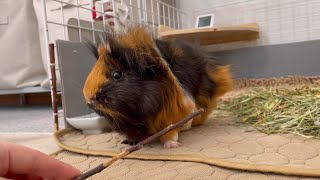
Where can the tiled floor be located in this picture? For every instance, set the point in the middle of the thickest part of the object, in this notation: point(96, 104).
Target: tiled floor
point(26, 119)
point(31, 126)
point(40, 141)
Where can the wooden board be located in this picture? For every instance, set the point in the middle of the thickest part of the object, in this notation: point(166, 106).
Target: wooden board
point(212, 35)
point(43, 98)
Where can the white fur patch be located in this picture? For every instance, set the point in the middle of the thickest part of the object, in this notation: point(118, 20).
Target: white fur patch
point(173, 142)
point(108, 48)
point(188, 99)
point(175, 137)
point(187, 125)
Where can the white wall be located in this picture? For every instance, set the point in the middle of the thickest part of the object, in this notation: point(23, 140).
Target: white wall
point(280, 21)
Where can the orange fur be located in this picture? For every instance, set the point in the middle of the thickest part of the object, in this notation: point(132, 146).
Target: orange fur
point(222, 77)
point(170, 136)
point(96, 77)
point(102, 49)
point(139, 40)
point(174, 110)
point(135, 38)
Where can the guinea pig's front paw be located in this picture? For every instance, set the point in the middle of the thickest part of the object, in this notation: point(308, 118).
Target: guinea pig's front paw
point(171, 144)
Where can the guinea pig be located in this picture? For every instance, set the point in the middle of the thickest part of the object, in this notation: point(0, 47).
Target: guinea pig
point(142, 84)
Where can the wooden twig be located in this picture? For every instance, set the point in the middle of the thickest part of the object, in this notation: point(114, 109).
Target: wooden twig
point(137, 146)
point(53, 87)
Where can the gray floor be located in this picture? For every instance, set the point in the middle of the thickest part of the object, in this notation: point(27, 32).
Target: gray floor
point(27, 119)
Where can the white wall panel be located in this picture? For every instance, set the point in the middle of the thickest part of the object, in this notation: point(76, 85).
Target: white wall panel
point(280, 21)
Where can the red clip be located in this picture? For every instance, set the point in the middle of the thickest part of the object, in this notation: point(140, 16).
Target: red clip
point(94, 13)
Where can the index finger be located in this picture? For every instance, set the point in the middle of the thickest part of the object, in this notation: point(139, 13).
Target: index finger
point(21, 160)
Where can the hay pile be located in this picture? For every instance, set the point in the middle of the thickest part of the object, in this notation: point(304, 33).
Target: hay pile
point(279, 110)
point(276, 82)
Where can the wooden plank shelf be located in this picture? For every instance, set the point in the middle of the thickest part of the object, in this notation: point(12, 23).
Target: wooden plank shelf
point(212, 35)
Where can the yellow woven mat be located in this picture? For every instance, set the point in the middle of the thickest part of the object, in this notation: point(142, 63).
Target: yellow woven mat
point(218, 143)
point(133, 169)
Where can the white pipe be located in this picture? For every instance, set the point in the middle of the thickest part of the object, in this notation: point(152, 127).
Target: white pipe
point(163, 15)
point(67, 25)
point(174, 18)
point(152, 12)
point(78, 14)
point(103, 18)
point(169, 16)
point(76, 6)
point(46, 42)
point(114, 14)
point(158, 8)
point(92, 25)
point(62, 17)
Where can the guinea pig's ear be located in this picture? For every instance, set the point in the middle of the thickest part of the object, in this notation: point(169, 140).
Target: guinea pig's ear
point(92, 47)
point(103, 43)
point(104, 48)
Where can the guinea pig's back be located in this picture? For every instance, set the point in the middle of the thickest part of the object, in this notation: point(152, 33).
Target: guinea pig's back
point(195, 69)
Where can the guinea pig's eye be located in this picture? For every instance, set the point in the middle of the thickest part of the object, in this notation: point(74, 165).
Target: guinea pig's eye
point(117, 75)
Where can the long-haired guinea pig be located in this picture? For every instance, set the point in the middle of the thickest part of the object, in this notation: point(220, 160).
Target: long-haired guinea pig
point(142, 84)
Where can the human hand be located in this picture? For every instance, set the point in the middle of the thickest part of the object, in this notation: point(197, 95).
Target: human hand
point(19, 162)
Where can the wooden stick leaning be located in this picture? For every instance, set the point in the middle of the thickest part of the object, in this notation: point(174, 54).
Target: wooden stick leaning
point(53, 87)
point(137, 146)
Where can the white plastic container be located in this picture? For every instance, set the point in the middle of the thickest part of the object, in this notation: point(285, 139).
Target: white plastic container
point(89, 124)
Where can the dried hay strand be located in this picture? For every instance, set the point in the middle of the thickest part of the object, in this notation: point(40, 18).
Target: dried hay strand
point(271, 110)
point(276, 82)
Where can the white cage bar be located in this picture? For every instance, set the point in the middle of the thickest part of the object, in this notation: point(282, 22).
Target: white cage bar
point(139, 12)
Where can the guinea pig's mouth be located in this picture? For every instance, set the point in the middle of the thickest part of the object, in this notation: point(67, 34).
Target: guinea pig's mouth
point(95, 108)
point(105, 111)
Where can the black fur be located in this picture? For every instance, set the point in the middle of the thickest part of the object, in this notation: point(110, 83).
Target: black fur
point(128, 98)
point(190, 68)
point(93, 48)
point(128, 58)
